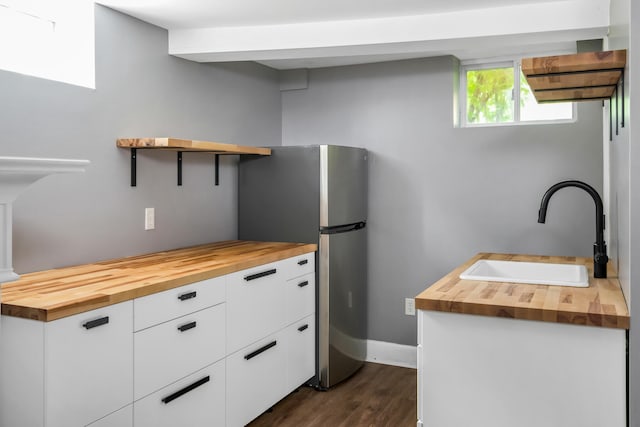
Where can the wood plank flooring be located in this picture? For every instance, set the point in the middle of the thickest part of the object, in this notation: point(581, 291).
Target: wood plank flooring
point(377, 395)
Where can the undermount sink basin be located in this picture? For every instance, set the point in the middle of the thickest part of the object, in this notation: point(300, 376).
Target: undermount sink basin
point(535, 273)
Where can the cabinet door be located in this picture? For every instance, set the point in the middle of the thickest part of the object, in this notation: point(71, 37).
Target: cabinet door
point(175, 349)
point(195, 401)
point(301, 351)
point(301, 297)
point(256, 379)
point(121, 418)
point(255, 304)
point(88, 365)
point(174, 303)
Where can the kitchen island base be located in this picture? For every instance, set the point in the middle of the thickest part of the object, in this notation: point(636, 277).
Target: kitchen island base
point(487, 371)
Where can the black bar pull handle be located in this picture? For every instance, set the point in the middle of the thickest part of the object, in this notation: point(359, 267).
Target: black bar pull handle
point(95, 323)
point(186, 390)
point(303, 262)
point(303, 284)
point(259, 275)
point(186, 296)
point(303, 327)
point(187, 326)
point(260, 350)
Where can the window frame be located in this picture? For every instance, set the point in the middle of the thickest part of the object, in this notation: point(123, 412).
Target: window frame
point(509, 62)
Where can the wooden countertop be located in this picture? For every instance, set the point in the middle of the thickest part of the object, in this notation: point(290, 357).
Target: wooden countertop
point(600, 304)
point(53, 294)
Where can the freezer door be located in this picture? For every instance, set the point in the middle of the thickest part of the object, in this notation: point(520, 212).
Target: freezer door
point(343, 185)
point(342, 294)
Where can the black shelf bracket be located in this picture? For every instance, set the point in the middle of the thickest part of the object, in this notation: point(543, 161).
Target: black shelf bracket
point(133, 166)
point(134, 156)
point(616, 100)
point(179, 168)
point(217, 162)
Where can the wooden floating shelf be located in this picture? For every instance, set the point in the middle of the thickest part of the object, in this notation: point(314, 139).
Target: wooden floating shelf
point(175, 144)
point(578, 77)
point(182, 145)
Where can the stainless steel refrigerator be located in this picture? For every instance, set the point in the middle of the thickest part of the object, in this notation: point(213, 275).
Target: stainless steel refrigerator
point(317, 194)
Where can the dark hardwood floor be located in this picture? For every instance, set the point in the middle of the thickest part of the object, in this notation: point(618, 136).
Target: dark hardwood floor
point(377, 395)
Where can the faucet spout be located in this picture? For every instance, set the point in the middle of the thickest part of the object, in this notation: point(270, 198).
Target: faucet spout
point(600, 257)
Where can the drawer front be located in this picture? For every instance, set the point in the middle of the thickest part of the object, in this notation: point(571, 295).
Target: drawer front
point(255, 305)
point(121, 418)
point(195, 401)
point(301, 352)
point(300, 265)
point(88, 365)
point(255, 379)
point(175, 349)
point(163, 306)
point(301, 297)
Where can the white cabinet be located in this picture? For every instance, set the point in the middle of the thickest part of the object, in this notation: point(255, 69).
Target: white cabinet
point(256, 379)
point(270, 335)
point(494, 372)
point(195, 401)
point(255, 304)
point(212, 353)
point(177, 348)
point(301, 362)
point(82, 365)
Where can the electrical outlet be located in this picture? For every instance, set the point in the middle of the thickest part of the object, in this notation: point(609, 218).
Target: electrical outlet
point(409, 307)
point(149, 218)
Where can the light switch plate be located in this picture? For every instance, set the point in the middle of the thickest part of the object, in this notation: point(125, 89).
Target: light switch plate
point(149, 218)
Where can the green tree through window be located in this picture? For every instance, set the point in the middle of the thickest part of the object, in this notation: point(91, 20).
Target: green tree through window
point(490, 95)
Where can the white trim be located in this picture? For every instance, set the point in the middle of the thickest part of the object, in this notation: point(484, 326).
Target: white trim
point(389, 353)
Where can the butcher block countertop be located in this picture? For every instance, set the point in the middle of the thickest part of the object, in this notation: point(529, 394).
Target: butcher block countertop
point(600, 304)
point(53, 294)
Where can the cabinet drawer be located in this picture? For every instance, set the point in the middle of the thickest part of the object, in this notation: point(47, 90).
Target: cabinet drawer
point(121, 418)
point(299, 265)
point(175, 349)
point(301, 297)
point(171, 304)
point(255, 305)
point(255, 379)
point(195, 401)
point(88, 365)
point(301, 351)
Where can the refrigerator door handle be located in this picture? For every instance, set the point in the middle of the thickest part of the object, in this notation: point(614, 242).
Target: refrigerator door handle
point(335, 229)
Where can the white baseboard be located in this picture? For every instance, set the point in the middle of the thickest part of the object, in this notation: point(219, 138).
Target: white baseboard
point(389, 353)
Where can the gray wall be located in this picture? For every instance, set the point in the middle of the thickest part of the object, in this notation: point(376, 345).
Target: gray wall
point(440, 194)
point(141, 91)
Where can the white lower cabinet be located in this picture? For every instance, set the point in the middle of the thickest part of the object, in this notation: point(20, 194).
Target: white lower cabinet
point(256, 379)
point(195, 401)
point(301, 355)
point(212, 353)
point(67, 372)
point(121, 418)
point(174, 349)
point(486, 371)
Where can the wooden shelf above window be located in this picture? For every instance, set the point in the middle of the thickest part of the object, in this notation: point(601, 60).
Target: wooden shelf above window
point(578, 77)
point(181, 145)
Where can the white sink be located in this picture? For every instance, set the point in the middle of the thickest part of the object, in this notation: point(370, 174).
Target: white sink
point(535, 273)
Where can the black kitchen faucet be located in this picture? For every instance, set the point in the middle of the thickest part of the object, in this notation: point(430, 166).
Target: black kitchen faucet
point(600, 257)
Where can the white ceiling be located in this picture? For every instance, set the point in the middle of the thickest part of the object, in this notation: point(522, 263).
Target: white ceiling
point(287, 34)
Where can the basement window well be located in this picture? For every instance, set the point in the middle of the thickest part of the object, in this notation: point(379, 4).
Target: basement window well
point(50, 39)
point(497, 93)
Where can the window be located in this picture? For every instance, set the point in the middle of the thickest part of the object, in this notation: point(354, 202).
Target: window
point(497, 93)
point(51, 39)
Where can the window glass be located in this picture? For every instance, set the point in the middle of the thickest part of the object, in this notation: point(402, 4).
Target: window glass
point(530, 110)
point(497, 93)
point(490, 95)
